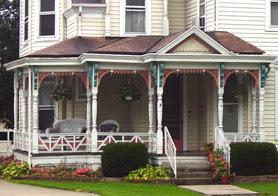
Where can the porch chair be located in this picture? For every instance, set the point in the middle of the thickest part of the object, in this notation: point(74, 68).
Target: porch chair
point(109, 126)
point(72, 125)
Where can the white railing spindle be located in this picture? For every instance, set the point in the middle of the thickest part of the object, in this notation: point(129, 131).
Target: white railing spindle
point(221, 142)
point(170, 150)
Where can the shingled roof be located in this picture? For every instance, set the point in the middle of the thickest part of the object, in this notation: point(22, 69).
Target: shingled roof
point(138, 45)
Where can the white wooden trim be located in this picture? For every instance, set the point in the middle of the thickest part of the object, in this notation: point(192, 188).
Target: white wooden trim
point(240, 114)
point(194, 30)
point(276, 102)
point(268, 26)
point(38, 37)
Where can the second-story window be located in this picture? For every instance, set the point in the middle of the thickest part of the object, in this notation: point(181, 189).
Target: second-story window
point(135, 16)
point(202, 14)
point(274, 13)
point(47, 17)
point(26, 20)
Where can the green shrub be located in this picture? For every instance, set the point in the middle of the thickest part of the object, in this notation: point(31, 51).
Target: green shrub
point(117, 160)
point(15, 169)
point(148, 173)
point(254, 158)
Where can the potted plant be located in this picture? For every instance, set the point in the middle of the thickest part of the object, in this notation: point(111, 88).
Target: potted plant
point(129, 92)
point(61, 93)
point(4, 123)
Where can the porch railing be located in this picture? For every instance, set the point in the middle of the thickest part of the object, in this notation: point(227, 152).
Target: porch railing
point(51, 143)
point(21, 140)
point(242, 137)
point(148, 139)
point(170, 150)
point(221, 142)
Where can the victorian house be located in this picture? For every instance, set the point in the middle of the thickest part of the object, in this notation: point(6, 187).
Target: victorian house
point(172, 74)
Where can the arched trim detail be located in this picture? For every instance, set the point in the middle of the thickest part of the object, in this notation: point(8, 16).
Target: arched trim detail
point(253, 73)
point(81, 75)
point(144, 74)
point(213, 72)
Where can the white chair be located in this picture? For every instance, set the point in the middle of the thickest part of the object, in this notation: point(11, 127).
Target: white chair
point(109, 126)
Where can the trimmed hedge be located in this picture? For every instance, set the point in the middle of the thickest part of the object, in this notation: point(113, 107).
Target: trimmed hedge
point(117, 160)
point(250, 159)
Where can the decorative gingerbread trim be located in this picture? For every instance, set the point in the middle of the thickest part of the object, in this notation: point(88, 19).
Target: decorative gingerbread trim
point(253, 73)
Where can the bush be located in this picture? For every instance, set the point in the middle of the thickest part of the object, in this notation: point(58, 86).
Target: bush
point(119, 159)
point(148, 173)
point(15, 169)
point(251, 159)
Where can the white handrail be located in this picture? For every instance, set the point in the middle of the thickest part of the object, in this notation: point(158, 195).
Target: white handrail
point(170, 150)
point(221, 142)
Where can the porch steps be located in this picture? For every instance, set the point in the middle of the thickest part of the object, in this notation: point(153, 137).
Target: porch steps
point(191, 170)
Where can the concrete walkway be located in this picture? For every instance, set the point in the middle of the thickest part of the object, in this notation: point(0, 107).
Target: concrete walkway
point(10, 189)
point(220, 190)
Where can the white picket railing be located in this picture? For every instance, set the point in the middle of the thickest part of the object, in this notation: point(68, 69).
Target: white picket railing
point(221, 142)
point(57, 143)
point(148, 139)
point(242, 137)
point(21, 140)
point(170, 150)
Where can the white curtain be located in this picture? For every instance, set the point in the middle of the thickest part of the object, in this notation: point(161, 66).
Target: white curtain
point(135, 22)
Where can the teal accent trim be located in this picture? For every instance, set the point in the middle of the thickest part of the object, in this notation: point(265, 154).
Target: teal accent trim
point(161, 74)
point(265, 69)
point(222, 74)
point(154, 72)
point(96, 69)
point(89, 69)
point(19, 73)
point(35, 79)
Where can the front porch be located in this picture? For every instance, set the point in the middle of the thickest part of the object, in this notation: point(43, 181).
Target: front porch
point(185, 97)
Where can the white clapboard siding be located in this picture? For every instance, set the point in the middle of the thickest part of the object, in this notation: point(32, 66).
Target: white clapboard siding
point(157, 17)
point(176, 15)
point(191, 12)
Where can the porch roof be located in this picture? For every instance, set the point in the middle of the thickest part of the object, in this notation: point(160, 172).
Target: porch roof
point(138, 45)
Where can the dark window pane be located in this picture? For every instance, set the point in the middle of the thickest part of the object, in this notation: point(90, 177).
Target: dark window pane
point(26, 31)
point(47, 5)
point(26, 7)
point(274, 13)
point(47, 25)
point(46, 118)
point(3, 136)
point(135, 2)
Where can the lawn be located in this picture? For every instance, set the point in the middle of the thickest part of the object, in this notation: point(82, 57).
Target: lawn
point(113, 188)
point(262, 188)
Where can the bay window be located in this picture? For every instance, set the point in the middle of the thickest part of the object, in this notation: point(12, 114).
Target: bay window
point(135, 16)
point(47, 18)
point(202, 14)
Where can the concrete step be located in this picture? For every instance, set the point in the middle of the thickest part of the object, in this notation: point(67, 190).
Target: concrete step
point(194, 181)
point(194, 175)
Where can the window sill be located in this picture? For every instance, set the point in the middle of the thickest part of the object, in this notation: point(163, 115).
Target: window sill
point(134, 34)
point(272, 28)
point(47, 38)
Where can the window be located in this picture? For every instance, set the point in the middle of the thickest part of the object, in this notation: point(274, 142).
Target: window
point(274, 13)
point(202, 14)
point(135, 16)
point(26, 20)
point(81, 91)
point(47, 18)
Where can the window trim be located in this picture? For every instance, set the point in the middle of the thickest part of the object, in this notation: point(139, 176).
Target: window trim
point(268, 26)
point(204, 16)
point(26, 21)
point(147, 19)
point(78, 98)
point(57, 21)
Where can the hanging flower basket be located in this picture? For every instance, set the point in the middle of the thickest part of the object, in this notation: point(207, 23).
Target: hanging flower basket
point(129, 92)
point(61, 93)
point(240, 89)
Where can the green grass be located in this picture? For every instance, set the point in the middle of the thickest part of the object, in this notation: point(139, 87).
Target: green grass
point(113, 188)
point(262, 188)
